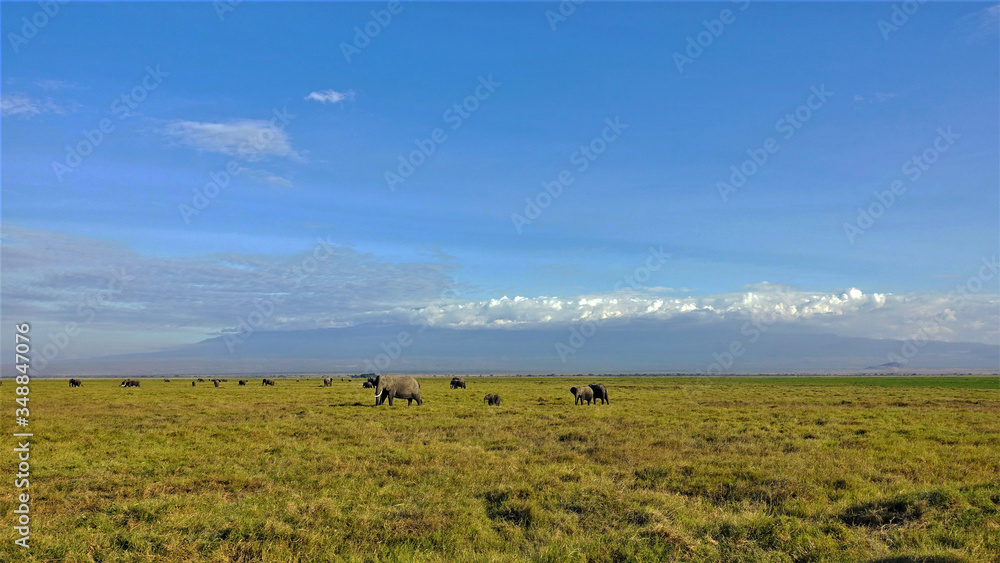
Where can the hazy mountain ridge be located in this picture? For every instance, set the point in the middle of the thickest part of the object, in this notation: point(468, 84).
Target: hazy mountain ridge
point(636, 347)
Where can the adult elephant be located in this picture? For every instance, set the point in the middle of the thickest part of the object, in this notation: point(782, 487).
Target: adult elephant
point(327, 381)
point(216, 382)
point(368, 385)
point(75, 383)
point(582, 394)
point(600, 393)
point(397, 387)
point(492, 400)
point(457, 382)
point(243, 382)
point(267, 382)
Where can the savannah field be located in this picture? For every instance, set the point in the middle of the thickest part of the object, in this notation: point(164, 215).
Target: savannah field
point(722, 469)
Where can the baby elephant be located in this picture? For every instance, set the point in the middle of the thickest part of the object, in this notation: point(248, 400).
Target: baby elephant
point(492, 400)
point(582, 394)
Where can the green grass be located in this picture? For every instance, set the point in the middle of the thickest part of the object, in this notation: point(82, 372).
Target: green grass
point(724, 469)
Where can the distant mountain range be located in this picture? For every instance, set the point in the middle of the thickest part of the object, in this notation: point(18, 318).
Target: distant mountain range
point(635, 347)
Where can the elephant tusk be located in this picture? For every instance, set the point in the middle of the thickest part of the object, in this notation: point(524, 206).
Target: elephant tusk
point(376, 395)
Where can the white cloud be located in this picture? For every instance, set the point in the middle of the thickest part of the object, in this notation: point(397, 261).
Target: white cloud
point(249, 139)
point(878, 98)
point(330, 96)
point(26, 107)
point(48, 275)
point(266, 177)
point(949, 317)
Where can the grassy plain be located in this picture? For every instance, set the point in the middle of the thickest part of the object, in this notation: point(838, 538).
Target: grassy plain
point(725, 469)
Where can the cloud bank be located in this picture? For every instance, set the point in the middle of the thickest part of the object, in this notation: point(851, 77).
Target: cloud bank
point(51, 276)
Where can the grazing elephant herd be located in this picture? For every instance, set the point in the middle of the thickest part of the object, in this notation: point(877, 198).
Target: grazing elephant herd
point(391, 387)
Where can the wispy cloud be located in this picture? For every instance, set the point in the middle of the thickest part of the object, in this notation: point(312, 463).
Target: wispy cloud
point(249, 139)
point(267, 177)
point(27, 107)
point(330, 96)
point(877, 98)
point(982, 25)
point(50, 84)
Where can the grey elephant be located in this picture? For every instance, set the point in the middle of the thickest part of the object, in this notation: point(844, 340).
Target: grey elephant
point(582, 394)
point(600, 393)
point(242, 382)
point(492, 400)
point(368, 385)
point(75, 383)
point(397, 387)
point(327, 381)
point(267, 382)
point(457, 382)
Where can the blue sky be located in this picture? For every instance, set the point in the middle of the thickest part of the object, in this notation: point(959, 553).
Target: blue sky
point(323, 174)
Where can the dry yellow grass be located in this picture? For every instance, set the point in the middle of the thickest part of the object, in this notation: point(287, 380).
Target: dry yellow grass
point(736, 469)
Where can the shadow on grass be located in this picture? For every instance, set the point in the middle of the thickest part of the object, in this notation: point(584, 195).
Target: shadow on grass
point(897, 511)
point(920, 559)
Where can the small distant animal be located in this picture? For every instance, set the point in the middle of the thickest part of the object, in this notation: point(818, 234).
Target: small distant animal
point(166, 381)
point(327, 381)
point(75, 383)
point(582, 394)
point(457, 382)
point(492, 400)
point(267, 382)
point(600, 393)
point(367, 385)
point(130, 383)
point(200, 380)
point(243, 382)
point(192, 384)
